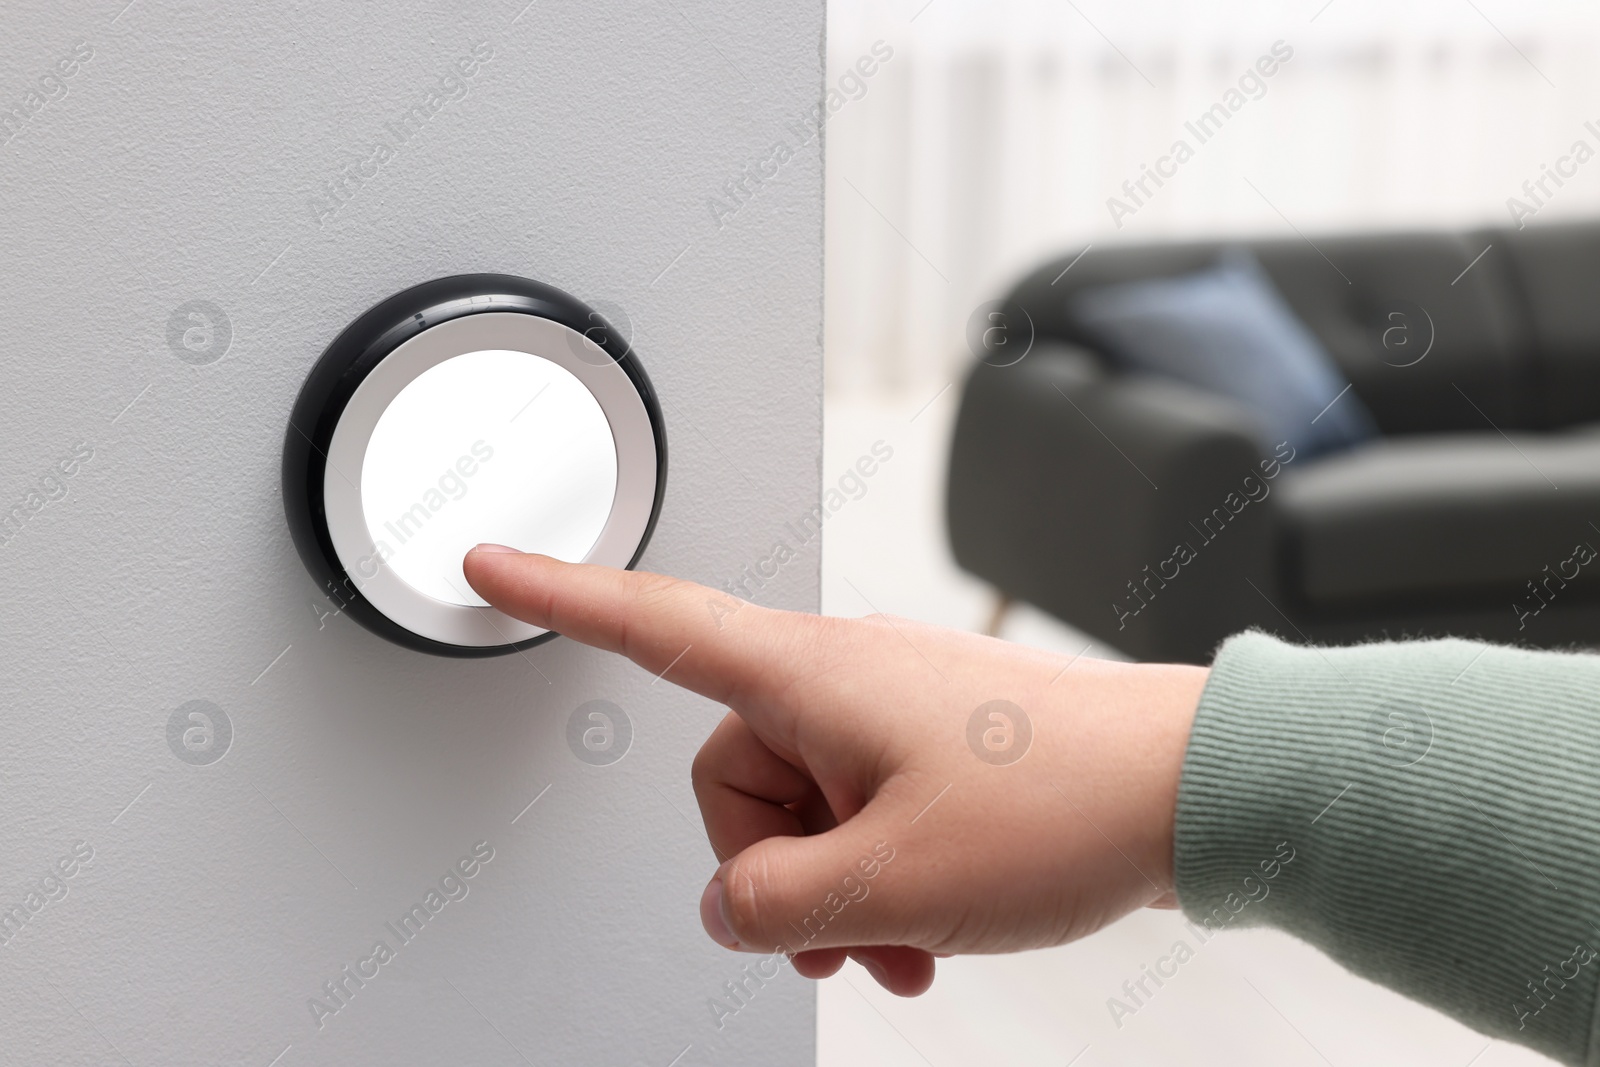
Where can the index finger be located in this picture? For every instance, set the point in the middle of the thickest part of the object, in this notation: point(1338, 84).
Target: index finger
point(700, 638)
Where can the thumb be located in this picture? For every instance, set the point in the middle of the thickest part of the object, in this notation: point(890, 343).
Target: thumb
point(794, 894)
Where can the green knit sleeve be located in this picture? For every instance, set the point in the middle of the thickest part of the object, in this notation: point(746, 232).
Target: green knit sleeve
point(1426, 813)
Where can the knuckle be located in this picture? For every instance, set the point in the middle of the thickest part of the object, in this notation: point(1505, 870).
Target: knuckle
point(882, 620)
point(806, 636)
point(702, 771)
point(643, 593)
point(653, 590)
point(803, 651)
point(828, 643)
point(745, 902)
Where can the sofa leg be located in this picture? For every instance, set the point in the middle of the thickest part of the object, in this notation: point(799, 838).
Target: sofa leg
point(997, 614)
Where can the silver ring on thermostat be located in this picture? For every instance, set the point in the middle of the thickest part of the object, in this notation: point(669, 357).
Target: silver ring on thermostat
point(619, 399)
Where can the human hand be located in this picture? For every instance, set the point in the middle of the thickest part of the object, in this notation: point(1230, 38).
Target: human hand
point(851, 813)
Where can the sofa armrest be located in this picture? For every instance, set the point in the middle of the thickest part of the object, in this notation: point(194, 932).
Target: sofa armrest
point(1138, 510)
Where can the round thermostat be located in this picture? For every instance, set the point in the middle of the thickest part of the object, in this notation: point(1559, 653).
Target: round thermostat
point(481, 408)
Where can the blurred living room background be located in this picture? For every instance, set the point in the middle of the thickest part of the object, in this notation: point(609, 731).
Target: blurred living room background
point(986, 147)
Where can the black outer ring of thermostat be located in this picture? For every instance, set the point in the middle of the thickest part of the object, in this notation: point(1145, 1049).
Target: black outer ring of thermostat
point(364, 344)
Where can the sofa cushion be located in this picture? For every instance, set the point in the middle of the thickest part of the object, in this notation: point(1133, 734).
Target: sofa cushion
point(1378, 302)
point(1462, 518)
point(1227, 330)
point(1556, 268)
point(1372, 300)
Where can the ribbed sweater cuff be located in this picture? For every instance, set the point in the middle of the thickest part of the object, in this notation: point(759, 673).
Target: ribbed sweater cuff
point(1426, 813)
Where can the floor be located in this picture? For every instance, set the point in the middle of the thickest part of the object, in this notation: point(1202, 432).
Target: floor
point(1246, 998)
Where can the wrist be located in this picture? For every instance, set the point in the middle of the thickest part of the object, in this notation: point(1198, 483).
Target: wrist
point(1176, 704)
point(1127, 735)
point(1169, 699)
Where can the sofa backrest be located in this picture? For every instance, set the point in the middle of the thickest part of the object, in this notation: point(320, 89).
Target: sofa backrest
point(1557, 271)
point(1377, 302)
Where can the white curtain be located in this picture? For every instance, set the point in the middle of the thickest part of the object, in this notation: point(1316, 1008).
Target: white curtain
point(994, 135)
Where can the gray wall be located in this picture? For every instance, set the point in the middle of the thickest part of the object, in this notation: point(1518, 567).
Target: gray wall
point(184, 161)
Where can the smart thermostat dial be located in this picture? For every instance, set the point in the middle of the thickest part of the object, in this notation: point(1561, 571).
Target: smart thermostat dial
point(482, 408)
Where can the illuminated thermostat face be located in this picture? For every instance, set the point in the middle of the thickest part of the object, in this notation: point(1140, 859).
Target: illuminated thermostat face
point(474, 409)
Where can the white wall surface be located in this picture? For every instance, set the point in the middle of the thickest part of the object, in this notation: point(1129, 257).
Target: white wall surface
point(183, 161)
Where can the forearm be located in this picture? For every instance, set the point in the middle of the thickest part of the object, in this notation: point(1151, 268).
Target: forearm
point(1426, 813)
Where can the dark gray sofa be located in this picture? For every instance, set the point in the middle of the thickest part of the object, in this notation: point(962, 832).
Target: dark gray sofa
point(1072, 487)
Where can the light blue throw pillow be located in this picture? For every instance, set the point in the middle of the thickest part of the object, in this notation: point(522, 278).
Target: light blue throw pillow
point(1226, 329)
